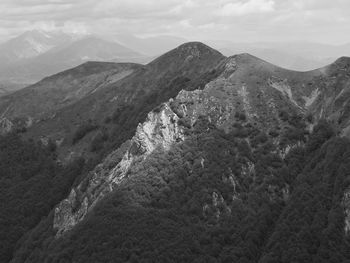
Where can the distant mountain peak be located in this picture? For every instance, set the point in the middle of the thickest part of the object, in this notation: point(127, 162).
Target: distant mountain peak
point(195, 48)
point(31, 44)
point(186, 54)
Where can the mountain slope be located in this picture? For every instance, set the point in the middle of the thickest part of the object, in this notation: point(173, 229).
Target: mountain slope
point(43, 99)
point(185, 192)
point(205, 159)
point(132, 97)
point(42, 54)
point(272, 107)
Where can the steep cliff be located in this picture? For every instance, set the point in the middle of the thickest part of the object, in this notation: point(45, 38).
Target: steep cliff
point(160, 129)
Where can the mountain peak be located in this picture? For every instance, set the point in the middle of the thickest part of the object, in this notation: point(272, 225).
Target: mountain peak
point(187, 54)
point(341, 64)
point(343, 61)
point(195, 48)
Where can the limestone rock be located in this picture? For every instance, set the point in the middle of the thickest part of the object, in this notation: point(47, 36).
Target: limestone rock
point(160, 129)
point(5, 126)
point(346, 205)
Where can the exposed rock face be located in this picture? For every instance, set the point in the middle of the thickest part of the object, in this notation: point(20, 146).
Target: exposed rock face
point(161, 129)
point(229, 94)
point(346, 205)
point(216, 207)
point(284, 151)
point(5, 126)
point(284, 88)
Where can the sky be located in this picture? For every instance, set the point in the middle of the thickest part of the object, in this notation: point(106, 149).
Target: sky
point(324, 21)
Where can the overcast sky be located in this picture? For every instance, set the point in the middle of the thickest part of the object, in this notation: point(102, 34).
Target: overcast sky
point(326, 21)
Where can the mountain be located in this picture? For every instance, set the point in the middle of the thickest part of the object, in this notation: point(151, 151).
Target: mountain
point(301, 56)
point(77, 52)
point(41, 100)
point(90, 48)
point(194, 157)
point(26, 46)
point(186, 67)
point(35, 55)
point(8, 87)
point(31, 44)
point(249, 94)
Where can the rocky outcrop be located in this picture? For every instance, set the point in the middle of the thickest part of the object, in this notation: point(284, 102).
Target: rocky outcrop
point(346, 205)
point(6, 126)
point(161, 129)
point(216, 208)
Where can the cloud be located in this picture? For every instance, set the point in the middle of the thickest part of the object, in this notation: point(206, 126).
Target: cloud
point(247, 7)
point(245, 20)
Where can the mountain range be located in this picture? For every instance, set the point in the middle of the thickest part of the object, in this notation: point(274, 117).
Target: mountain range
point(193, 157)
point(299, 56)
point(36, 54)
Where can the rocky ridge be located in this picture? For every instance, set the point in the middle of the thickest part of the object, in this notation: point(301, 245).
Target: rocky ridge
point(220, 102)
point(160, 129)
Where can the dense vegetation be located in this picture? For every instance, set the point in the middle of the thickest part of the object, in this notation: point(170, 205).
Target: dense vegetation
point(31, 183)
point(205, 201)
point(83, 130)
point(268, 195)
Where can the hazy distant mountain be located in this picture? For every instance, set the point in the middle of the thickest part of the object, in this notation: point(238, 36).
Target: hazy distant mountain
point(151, 46)
point(90, 48)
point(37, 54)
point(300, 56)
point(31, 44)
point(71, 55)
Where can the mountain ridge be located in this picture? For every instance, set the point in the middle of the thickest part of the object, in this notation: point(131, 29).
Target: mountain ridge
point(243, 66)
point(59, 51)
point(246, 160)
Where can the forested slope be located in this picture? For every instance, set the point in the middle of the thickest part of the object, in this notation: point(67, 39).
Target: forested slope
point(213, 198)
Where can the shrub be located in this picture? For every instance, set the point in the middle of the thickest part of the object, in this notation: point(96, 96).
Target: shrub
point(98, 141)
point(83, 130)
